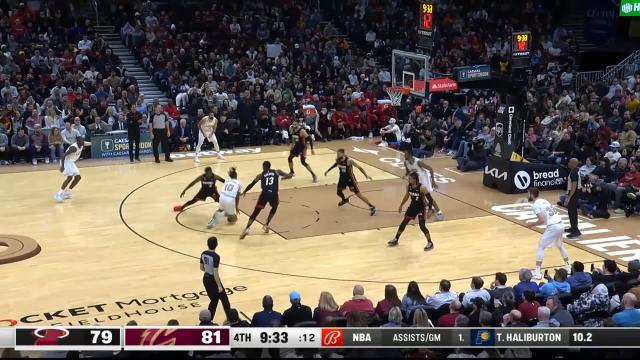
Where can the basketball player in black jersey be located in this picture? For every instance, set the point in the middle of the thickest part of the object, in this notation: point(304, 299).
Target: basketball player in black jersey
point(299, 140)
point(207, 189)
point(269, 183)
point(347, 179)
point(418, 207)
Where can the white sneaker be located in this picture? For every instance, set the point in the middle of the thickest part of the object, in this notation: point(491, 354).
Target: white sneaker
point(34, 162)
point(383, 144)
point(265, 228)
point(58, 197)
point(46, 161)
point(439, 216)
point(196, 159)
point(213, 222)
point(619, 211)
point(537, 275)
point(67, 195)
point(220, 156)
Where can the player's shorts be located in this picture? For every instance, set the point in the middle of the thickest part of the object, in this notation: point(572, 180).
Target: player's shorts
point(552, 236)
point(267, 198)
point(204, 193)
point(425, 180)
point(70, 169)
point(414, 211)
point(299, 150)
point(348, 182)
point(228, 204)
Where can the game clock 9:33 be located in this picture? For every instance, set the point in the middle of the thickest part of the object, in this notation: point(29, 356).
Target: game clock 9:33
point(275, 337)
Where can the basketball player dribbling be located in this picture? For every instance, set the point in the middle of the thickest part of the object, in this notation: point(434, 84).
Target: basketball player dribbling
point(552, 235)
point(207, 189)
point(347, 179)
point(268, 179)
point(69, 169)
point(310, 123)
point(418, 207)
point(425, 174)
point(229, 200)
point(207, 126)
point(299, 140)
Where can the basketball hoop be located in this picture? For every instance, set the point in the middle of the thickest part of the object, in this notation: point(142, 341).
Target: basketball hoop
point(396, 93)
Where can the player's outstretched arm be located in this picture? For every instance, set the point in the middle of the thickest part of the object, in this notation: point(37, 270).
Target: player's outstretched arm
point(195, 181)
point(404, 200)
point(284, 175)
point(331, 168)
point(354, 164)
point(219, 178)
point(252, 184)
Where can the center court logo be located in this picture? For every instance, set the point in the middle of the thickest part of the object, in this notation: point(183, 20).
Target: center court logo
point(332, 337)
point(522, 180)
point(106, 145)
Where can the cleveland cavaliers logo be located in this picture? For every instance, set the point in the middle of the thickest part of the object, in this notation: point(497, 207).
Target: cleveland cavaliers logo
point(17, 248)
point(499, 129)
point(158, 337)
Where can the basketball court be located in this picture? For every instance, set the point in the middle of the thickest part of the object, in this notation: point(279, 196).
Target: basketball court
point(117, 251)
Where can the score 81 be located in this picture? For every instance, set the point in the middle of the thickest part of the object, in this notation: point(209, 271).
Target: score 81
point(210, 337)
point(427, 8)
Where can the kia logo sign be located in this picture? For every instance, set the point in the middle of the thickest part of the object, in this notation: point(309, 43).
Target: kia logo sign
point(495, 173)
point(522, 180)
point(499, 129)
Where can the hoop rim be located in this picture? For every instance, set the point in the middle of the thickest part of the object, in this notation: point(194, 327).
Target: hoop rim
point(402, 89)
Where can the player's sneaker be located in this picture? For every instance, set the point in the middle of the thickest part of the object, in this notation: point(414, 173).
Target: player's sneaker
point(196, 159)
point(220, 156)
point(428, 247)
point(59, 197)
point(439, 216)
point(315, 179)
point(265, 228)
point(392, 242)
point(67, 195)
point(244, 234)
point(372, 210)
point(213, 222)
point(536, 274)
point(574, 235)
point(342, 202)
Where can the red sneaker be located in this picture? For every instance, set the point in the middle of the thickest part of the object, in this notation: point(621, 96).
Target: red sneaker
point(177, 208)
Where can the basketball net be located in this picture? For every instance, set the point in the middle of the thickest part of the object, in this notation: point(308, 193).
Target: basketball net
point(395, 94)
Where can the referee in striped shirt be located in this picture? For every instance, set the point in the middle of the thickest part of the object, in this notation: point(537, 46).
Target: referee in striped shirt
point(209, 264)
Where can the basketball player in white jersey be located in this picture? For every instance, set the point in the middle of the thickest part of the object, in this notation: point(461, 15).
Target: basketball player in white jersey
point(207, 126)
point(229, 199)
point(425, 174)
point(552, 235)
point(69, 169)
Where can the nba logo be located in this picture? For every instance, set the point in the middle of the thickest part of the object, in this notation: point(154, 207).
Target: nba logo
point(332, 337)
point(483, 337)
point(106, 145)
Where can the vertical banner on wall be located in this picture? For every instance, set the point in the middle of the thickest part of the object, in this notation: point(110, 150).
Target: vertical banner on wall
point(508, 129)
point(600, 21)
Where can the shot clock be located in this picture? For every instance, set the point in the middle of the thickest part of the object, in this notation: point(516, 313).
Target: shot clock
point(168, 338)
point(426, 24)
point(520, 49)
point(275, 337)
point(68, 338)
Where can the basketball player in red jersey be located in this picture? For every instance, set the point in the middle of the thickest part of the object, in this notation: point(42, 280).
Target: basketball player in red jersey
point(347, 179)
point(418, 207)
point(299, 140)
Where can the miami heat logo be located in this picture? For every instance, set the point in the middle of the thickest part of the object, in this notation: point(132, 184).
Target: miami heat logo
point(49, 336)
point(158, 337)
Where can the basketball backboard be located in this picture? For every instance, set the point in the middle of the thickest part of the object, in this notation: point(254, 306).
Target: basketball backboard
point(409, 69)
